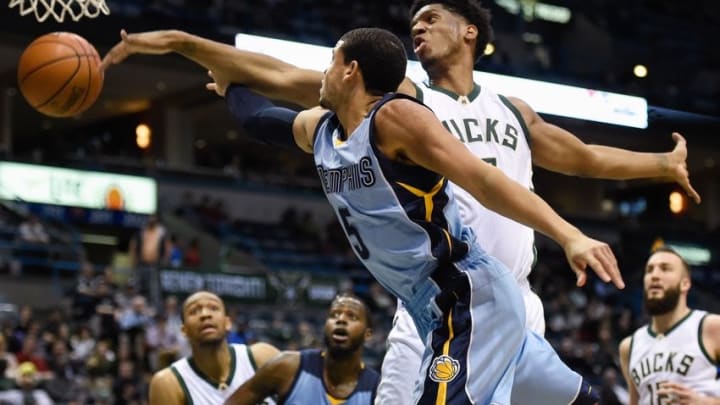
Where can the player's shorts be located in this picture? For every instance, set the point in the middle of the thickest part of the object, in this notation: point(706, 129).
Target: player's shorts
point(478, 348)
point(405, 350)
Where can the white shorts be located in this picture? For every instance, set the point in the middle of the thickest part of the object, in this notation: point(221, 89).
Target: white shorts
point(405, 350)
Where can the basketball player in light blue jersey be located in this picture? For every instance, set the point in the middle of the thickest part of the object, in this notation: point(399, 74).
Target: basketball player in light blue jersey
point(385, 162)
point(449, 35)
point(675, 359)
point(215, 369)
point(333, 376)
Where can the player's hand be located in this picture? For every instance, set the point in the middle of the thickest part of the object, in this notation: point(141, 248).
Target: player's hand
point(583, 251)
point(677, 163)
point(678, 394)
point(152, 43)
point(219, 84)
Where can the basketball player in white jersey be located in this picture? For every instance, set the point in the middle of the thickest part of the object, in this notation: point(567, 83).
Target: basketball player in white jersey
point(215, 369)
point(675, 359)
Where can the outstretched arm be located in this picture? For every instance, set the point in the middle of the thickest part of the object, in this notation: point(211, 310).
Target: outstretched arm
point(266, 123)
point(560, 151)
point(273, 379)
point(424, 141)
point(269, 76)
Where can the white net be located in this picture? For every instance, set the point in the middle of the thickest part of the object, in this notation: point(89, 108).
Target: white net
point(59, 9)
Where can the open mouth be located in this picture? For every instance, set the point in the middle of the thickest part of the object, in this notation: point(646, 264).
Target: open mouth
point(340, 335)
point(418, 43)
point(208, 329)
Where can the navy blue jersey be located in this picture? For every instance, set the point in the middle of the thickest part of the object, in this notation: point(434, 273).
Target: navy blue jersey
point(309, 388)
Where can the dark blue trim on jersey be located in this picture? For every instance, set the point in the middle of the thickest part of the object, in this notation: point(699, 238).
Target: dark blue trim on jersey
point(519, 117)
point(456, 317)
point(444, 247)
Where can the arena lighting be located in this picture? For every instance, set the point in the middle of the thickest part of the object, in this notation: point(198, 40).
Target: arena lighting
point(544, 97)
point(640, 71)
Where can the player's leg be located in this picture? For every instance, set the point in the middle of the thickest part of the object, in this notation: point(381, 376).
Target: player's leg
point(541, 378)
point(534, 312)
point(474, 349)
point(401, 365)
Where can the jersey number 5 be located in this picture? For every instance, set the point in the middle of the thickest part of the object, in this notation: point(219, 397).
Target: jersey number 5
point(353, 234)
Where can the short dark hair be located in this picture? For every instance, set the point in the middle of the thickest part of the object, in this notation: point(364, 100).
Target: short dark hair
point(668, 249)
point(380, 55)
point(472, 11)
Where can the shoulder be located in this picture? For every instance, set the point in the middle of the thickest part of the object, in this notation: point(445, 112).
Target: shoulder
point(262, 352)
point(305, 127)
point(624, 347)
point(165, 388)
point(711, 334)
point(401, 109)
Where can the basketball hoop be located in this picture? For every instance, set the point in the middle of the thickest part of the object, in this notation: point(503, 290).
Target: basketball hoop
point(76, 9)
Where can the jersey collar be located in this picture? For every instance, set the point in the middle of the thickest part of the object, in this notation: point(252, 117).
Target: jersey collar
point(470, 97)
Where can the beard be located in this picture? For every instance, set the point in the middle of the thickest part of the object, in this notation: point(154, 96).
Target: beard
point(664, 305)
point(340, 352)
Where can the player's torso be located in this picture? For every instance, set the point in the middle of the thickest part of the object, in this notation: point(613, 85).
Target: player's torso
point(199, 389)
point(676, 356)
point(400, 219)
point(308, 387)
point(493, 129)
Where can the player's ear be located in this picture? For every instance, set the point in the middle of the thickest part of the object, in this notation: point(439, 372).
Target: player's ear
point(368, 334)
point(352, 69)
point(471, 32)
point(228, 324)
point(183, 329)
point(685, 284)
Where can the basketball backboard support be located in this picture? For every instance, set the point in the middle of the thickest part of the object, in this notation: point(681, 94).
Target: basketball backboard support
point(60, 9)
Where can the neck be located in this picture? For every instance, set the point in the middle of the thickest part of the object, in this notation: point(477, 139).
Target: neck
point(662, 323)
point(356, 106)
point(456, 76)
point(213, 360)
point(342, 370)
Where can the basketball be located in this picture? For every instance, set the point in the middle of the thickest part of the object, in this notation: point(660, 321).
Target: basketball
point(59, 74)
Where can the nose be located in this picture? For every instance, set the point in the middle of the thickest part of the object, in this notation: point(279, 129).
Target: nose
point(418, 28)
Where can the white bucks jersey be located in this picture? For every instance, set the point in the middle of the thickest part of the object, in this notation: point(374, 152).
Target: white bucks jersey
point(493, 129)
point(200, 390)
point(677, 356)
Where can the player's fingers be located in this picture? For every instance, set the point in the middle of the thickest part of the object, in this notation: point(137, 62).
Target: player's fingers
point(581, 277)
point(607, 258)
point(124, 35)
point(598, 268)
point(691, 192)
point(678, 138)
point(211, 86)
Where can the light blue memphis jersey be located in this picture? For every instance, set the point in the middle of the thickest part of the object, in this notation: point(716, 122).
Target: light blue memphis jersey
point(309, 388)
point(400, 219)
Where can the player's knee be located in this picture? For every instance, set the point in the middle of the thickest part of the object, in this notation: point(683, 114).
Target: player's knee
point(587, 395)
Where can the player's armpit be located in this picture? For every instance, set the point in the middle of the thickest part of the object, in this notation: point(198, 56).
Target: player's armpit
point(165, 389)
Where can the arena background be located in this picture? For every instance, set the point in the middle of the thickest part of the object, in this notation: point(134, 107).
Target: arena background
point(249, 221)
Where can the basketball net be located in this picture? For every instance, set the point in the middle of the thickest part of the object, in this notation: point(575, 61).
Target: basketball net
point(76, 9)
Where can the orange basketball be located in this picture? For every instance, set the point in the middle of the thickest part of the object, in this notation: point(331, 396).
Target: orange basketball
point(59, 74)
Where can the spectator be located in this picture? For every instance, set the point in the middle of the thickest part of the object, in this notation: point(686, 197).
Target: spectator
point(85, 296)
point(192, 254)
point(148, 250)
point(32, 230)
point(175, 257)
point(8, 359)
point(27, 391)
point(31, 353)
